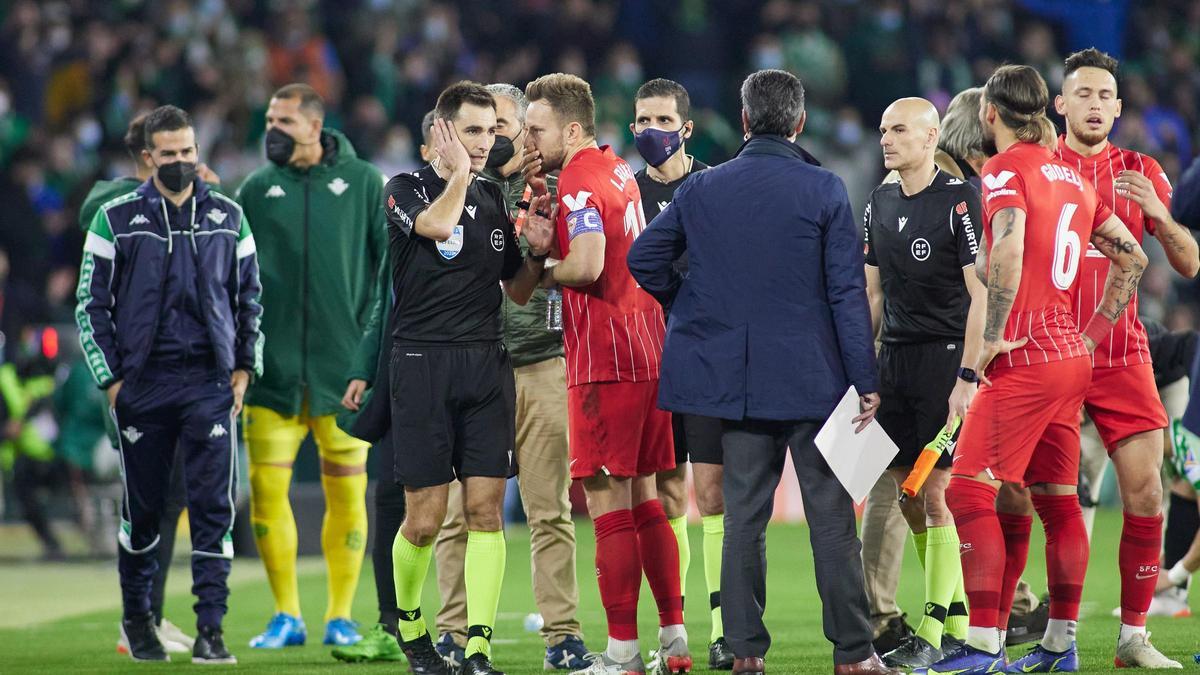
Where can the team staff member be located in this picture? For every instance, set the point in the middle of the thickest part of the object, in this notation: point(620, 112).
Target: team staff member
point(661, 127)
point(619, 439)
point(169, 322)
point(540, 373)
point(925, 298)
point(316, 209)
point(368, 416)
point(174, 639)
point(452, 387)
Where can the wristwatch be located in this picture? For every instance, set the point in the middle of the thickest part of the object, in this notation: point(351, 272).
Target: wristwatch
point(968, 375)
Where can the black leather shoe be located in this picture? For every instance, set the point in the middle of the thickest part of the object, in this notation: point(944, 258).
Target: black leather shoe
point(914, 652)
point(479, 664)
point(1028, 627)
point(142, 637)
point(423, 659)
point(209, 647)
point(720, 656)
point(896, 631)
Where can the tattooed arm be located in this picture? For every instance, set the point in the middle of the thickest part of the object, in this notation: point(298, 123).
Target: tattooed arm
point(1113, 239)
point(1179, 245)
point(1003, 279)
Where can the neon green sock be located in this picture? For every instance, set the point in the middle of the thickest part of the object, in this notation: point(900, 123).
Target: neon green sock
point(943, 574)
point(679, 527)
point(483, 570)
point(956, 621)
point(714, 540)
point(410, 565)
point(920, 541)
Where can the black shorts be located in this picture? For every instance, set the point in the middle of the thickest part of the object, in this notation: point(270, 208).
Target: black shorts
point(915, 382)
point(697, 439)
point(453, 413)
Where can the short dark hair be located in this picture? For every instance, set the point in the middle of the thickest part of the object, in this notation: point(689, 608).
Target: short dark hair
point(1090, 58)
point(164, 118)
point(427, 127)
point(135, 136)
point(465, 92)
point(773, 101)
point(664, 88)
point(570, 96)
point(310, 101)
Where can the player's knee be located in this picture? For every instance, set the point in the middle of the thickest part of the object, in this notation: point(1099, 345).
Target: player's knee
point(913, 511)
point(420, 530)
point(483, 517)
point(710, 502)
point(269, 481)
point(1013, 499)
point(1144, 499)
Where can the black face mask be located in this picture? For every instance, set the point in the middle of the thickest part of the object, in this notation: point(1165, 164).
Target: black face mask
point(280, 146)
point(177, 175)
point(502, 151)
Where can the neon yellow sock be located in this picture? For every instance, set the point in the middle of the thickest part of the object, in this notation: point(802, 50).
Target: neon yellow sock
point(920, 541)
point(275, 532)
point(942, 575)
point(679, 527)
point(483, 571)
point(714, 540)
point(410, 565)
point(956, 622)
point(343, 539)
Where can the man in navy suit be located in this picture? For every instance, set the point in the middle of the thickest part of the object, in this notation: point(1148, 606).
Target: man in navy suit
point(767, 330)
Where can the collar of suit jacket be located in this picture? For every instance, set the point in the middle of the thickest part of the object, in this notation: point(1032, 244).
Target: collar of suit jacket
point(778, 146)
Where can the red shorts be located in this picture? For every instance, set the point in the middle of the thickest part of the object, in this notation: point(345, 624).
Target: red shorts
point(1007, 420)
point(617, 429)
point(1123, 402)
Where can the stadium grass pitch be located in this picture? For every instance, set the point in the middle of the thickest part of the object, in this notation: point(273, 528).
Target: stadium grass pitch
point(86, 642)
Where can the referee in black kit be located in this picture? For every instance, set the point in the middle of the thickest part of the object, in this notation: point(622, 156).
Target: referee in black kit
point(920, 244)
point(452, 391)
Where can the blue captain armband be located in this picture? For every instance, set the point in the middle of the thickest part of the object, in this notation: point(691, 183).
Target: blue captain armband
point(583, 221)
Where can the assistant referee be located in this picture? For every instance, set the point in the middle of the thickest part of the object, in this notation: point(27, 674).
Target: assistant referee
point(920, 244)
point(452, 390)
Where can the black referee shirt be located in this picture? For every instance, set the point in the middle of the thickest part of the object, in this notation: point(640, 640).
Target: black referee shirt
point(921, 243)
point(448, 291)
point(657, 196)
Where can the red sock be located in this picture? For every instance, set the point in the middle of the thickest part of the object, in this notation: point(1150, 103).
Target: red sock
point(619, 572)
point(1141, 540)
point(1016, 554)
point(1066, 552)
point(660, 560)
point(981, 547)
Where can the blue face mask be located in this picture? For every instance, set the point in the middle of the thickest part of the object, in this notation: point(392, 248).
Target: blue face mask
point(657, 146)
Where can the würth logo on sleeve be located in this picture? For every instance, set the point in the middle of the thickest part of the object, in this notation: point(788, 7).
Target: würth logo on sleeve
point(961, 209)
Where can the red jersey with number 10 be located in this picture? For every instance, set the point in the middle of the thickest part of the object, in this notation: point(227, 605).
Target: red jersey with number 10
point(612, 330)
point(1061, 209)
point(1127, 344)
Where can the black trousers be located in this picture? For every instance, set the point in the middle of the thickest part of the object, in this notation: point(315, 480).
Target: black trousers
point(173, 506)
point(188, 406)
point(389, 514)
point(757, 450)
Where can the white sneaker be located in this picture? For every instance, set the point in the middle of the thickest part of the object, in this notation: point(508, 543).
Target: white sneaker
point(1137, 652)
point(174, 640)
point(603, 665)
point(1172, 602)
point(673, 659)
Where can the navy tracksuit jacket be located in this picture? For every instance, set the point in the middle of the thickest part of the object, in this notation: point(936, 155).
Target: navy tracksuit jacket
point(168, 305)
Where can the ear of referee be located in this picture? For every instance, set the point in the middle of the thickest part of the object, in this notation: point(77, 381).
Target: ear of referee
point(768, 329)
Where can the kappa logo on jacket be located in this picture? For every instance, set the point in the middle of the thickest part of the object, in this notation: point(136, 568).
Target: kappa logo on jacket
point(139, 219)
point(337, 186)
point(218, 431)
point(275, 191)
point(217, 217)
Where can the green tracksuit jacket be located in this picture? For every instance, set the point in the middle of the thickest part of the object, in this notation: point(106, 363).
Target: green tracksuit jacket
point(321, 237)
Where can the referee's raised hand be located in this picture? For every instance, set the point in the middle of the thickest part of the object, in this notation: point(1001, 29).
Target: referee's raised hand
point(452, 154)
point(539, 225)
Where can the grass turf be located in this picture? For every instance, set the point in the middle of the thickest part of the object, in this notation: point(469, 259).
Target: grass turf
point(85, 642)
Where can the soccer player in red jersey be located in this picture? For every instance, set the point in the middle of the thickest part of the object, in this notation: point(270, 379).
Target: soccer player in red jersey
point(1122, 400)
point(1040, 214)
point(613, 333)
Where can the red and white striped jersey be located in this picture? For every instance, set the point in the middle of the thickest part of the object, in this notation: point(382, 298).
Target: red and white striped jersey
point(1127, 344)
point(1061, 209)
point(612, 330)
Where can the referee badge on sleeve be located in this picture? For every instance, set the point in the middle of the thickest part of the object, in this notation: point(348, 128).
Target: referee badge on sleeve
point(452, 246)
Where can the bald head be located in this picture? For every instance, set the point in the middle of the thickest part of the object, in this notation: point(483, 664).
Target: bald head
point(909, 134)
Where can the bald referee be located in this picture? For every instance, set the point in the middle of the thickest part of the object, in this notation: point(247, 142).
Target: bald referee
point(920, 244)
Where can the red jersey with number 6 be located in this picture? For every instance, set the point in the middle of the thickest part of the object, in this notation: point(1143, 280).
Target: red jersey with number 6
point(612, 329)
point(1127, 344)
point(1061, 209)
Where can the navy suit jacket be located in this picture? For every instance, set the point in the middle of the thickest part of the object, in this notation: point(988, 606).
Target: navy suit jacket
point(771, 321)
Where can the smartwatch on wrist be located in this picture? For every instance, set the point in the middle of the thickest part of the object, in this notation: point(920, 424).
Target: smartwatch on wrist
point(968, 375)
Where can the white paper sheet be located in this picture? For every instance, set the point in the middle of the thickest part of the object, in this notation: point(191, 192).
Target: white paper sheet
point(858, 460)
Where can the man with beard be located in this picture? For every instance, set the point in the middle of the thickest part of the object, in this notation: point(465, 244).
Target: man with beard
point(318, 211)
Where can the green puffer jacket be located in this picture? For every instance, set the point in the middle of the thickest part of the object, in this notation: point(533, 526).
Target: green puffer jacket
point(321, 237)
point(525, 333)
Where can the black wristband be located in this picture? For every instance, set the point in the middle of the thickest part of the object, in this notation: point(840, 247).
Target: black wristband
point(968, 375)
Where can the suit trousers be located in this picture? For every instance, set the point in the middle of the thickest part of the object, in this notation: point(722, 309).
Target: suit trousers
point(758, 449)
